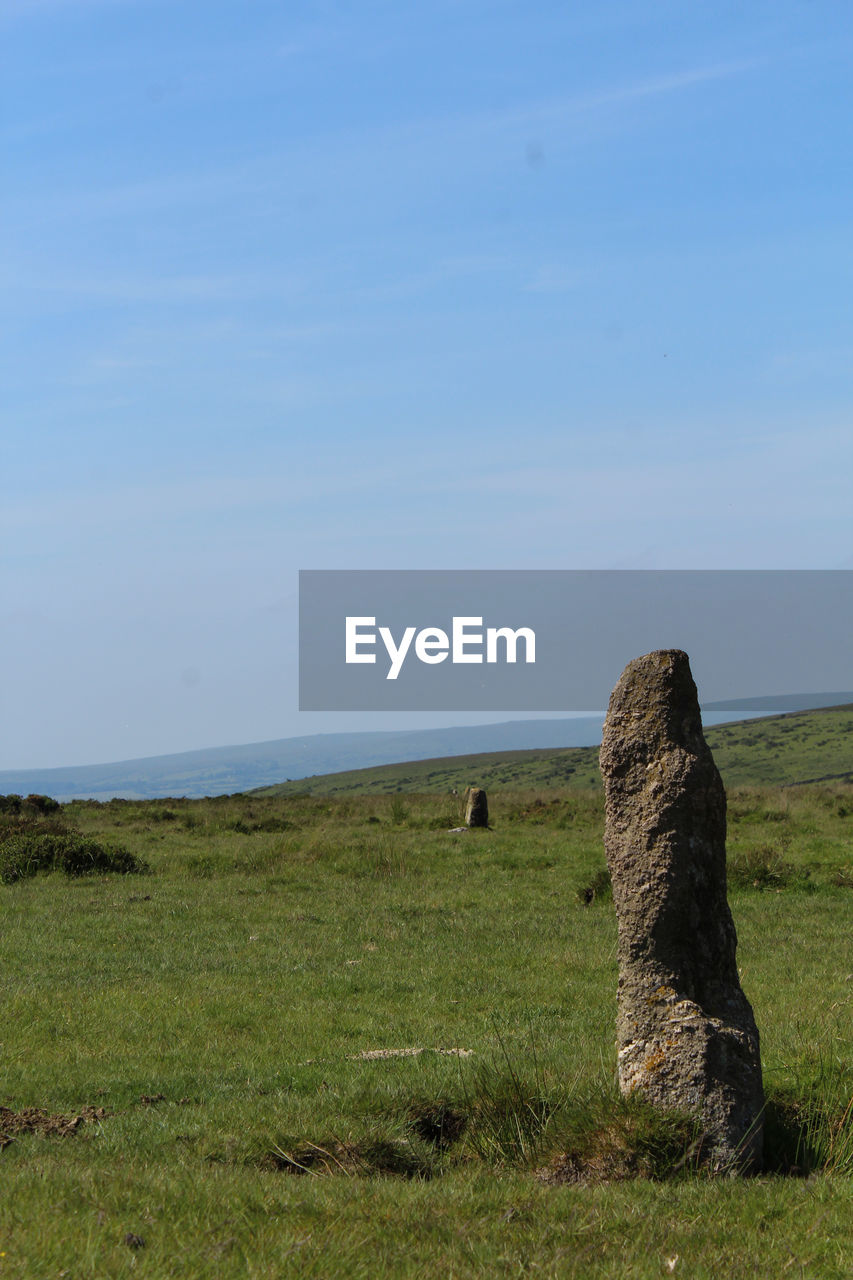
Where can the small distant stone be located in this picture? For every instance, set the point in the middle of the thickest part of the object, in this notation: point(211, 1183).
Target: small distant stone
point(477, 811)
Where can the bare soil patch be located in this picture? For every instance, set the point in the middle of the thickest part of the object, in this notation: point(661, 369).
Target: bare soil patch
point(36, 1120)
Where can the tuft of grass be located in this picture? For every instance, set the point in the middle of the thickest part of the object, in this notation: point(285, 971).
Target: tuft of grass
point(599, 887)
point(508, 1109)
point(374, 1156)
point(809, 1129)
point(399, 811)
point(765, 868)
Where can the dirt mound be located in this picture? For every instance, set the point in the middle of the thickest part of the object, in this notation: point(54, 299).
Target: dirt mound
point(36, 1120)
point(600, 1166)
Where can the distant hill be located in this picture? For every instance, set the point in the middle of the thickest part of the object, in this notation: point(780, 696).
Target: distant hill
point(785, 750)
point(225, 770)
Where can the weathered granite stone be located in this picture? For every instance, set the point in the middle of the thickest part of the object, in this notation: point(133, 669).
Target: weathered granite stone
point(477, 810)
point(686, 1034)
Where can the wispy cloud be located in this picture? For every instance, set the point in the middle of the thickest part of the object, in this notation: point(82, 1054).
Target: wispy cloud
point(574, 107)
point(417, 149)
point(674, 82)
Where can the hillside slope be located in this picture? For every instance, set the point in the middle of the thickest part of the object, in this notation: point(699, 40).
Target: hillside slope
point(786, 750)
point(216, 771)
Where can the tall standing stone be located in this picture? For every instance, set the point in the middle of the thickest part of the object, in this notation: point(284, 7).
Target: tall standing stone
point(685, 1030)
point(477, 810)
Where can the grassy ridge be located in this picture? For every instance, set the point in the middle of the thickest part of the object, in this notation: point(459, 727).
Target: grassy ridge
point(543, 767)
point(223, 1017)
point(803, 746)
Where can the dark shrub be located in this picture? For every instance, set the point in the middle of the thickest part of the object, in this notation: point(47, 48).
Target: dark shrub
point(24, 855)
point(42, 804)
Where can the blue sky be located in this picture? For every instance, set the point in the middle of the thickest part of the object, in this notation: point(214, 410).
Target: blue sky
point(385, 285)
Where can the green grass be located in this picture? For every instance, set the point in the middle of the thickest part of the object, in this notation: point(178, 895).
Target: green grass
point(804, 746)
point(224, 1011)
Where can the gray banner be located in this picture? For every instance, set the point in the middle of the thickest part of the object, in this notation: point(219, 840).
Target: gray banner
point(445, 640)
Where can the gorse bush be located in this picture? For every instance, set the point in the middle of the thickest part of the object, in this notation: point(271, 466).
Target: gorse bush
point(25, 854)
point(31, 804)
point(30, 815)
point(34, 836)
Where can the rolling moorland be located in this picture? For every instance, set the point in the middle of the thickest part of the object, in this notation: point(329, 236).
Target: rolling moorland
point(216, 771)
point(792, 749)
point(325, 1035)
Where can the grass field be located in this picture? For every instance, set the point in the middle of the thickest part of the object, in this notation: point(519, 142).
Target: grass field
point(325, 1036)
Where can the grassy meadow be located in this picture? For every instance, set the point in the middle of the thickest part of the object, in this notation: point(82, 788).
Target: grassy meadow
point(327, 1036)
